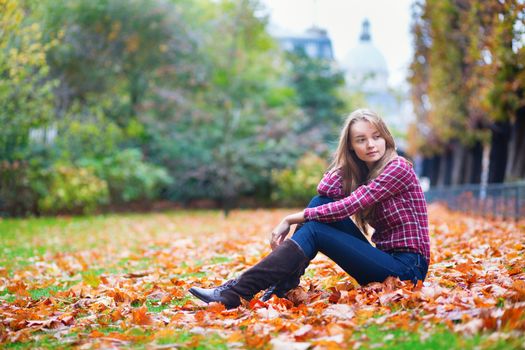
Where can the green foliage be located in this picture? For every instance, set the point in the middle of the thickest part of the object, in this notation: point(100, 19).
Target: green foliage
point(73, 190)
point(116, 47)
point(135, 93)
point(221, 141)
point(87, 137)
point(317, 83)
point(128, 176)
point(17, 196)
point(297, 186)
point(26, 98)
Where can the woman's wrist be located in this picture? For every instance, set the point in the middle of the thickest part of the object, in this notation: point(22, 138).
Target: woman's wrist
point(296, 218)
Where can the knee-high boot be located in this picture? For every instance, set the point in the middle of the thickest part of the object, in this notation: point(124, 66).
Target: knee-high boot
point(284, 286)
point(284, 260)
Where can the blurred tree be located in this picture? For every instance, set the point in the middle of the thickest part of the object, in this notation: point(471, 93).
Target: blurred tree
point(467, 85)
point(222, 138)
point(317, 83)
point(503, 85)
point(199, 87)
point(112, 50)
point(26, 102)
point(26, 98)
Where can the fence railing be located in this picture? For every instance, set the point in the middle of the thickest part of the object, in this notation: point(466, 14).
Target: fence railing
point(503, 201)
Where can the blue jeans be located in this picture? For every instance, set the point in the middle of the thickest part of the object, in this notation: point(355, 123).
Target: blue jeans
point(345, 244)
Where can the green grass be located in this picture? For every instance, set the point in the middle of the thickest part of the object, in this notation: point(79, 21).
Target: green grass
point(22, 239)
point(212, 341)
point(44, 341)
point(155, 305)
point(44, 292)
point(220, 260)
point(375, 337)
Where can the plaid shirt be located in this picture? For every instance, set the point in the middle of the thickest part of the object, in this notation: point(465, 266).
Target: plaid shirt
point(400, 220)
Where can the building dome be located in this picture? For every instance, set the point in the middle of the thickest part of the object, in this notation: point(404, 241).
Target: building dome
point(365, 66)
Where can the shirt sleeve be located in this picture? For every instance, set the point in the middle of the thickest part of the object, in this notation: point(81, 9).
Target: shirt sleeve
point(395, 178)
point(331, 185)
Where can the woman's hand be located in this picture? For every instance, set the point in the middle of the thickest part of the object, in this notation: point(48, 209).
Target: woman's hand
point(279, 234)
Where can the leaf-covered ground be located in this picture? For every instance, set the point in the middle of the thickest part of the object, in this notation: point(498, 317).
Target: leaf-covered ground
point(122, 281)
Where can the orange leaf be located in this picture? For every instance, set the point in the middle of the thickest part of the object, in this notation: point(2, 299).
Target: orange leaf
point(140, 316)
point(519, 287)
point(297, 296)
point(216, 308)
point(19, 288)
point(96, 334)
point(200, 316)
point(256, 303)
point(3, 272)
point(116, 315)
point(335, 296)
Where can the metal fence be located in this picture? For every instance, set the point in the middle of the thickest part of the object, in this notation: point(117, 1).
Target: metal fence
point(502, 201)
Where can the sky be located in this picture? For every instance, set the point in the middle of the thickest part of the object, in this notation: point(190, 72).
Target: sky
point(389, 25)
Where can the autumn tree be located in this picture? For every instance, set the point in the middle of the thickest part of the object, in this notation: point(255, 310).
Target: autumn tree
point(465, 86)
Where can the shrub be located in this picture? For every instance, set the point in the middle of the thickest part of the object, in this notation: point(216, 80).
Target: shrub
point(128, 177)
point(17, 196)
point(295, 187)
point(72, 190)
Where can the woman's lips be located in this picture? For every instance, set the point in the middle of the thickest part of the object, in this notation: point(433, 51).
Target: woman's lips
point(371, 153)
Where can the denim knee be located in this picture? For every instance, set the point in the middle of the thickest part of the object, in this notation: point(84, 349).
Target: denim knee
point(306, 238)
point(318, 201)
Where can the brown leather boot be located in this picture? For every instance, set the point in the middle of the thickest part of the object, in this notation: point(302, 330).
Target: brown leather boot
point(284, 286)
point(284, 260)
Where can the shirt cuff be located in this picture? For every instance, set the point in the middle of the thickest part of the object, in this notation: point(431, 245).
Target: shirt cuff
point(309, 214)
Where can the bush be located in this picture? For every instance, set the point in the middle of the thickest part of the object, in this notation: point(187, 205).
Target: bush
point(295, 187)
point(72, 190)
point(17, 196)
point(128, 177)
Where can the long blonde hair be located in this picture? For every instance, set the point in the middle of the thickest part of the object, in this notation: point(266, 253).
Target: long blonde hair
point(354, 171)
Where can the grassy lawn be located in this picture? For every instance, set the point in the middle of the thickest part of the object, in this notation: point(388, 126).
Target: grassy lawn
point(122, 280)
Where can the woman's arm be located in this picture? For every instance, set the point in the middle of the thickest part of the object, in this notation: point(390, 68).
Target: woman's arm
point(397, 177)
point(331, 185)
point(280, 232)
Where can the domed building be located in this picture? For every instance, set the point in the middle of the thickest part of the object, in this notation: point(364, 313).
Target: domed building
point(315, 42)
point(366, 73)
point(366, 68)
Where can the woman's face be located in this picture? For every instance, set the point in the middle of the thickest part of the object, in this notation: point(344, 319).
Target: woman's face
point(367, 142)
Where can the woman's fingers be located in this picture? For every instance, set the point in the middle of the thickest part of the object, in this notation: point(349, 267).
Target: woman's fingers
point(279, 234)
point(274, 240)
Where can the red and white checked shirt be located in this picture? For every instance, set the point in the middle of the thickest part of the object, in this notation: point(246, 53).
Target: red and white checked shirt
point(400, 220)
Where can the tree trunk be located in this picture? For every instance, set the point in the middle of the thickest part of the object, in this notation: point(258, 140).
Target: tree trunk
point(448, 167)
point(431, 169)
point(499, 151)
point(445, 169)
point(516, 164)
point(469, 161)
point(458, 163)
point(473, 170)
